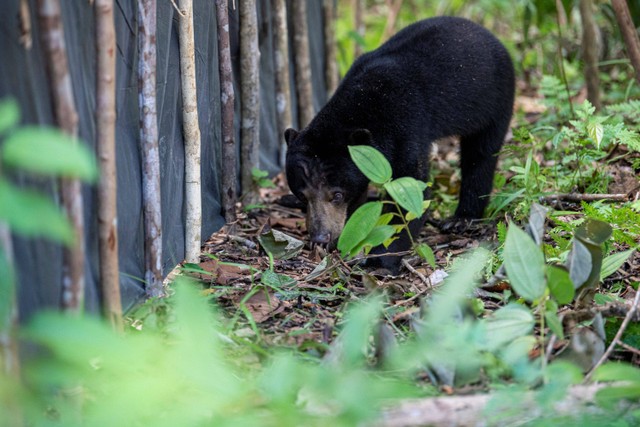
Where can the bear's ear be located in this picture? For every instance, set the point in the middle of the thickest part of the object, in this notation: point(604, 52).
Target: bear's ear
point(290, 135)
point(360, 137)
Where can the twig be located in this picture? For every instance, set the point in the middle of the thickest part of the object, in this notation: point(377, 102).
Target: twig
point(422, 277)
point(573, 197)
point(175, 6)
point(629, 348)
point(408, 300)
point(616, 339)
point(243, 241)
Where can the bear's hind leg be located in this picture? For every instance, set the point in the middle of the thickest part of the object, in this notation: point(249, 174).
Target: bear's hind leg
point(478, 159)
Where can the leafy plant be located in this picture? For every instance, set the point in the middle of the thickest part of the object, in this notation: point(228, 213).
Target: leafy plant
point(370, 225)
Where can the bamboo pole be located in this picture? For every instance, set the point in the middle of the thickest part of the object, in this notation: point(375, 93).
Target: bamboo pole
point(52, 32)
point(192, 140)
point(149, 147)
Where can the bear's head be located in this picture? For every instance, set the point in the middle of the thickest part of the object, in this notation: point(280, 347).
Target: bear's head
point(321, 174)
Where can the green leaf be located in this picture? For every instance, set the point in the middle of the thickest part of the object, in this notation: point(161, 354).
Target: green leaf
point(359, 226)
point(48, 151)
point(560, 284)
point(275, 280)
point(426, 254)
point(613, 371)
point(613, 262)
point(525, 265)
point(507, 324)
point(32, 215)
point(371, 163)
point(579, 263)
point(554, 323)
point(596, 132)
point(408, 193)
point(9, 114)
point(593, 232)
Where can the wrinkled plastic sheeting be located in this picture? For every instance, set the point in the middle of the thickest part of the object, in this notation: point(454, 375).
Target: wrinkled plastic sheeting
point(23, 76)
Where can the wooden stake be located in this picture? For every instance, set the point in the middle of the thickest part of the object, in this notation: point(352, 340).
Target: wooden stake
point(192, 140)
point(106, 150)
point(149, 147)
point(52, 33)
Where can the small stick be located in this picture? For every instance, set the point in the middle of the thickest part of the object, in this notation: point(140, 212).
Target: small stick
point(616, 339)
point(422, 277)
point(572, 197)
point(629, 348)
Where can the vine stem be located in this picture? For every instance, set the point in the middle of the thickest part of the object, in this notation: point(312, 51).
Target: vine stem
point(616, 339)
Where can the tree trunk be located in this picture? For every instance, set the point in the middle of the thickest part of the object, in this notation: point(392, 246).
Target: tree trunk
point(389, 27)
point(250, 99)
point(106, 150)
point(302, 63)
point(590, 53)
point(281, 59)
point(26, 38)
point(330, 64)
point(629, 34)
point(358, 23)
point(52, 34)
point(227, 97)
point(149, 147)
point(193, 192)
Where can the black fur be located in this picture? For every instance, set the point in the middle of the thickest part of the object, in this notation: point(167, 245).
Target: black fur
point(438, 77)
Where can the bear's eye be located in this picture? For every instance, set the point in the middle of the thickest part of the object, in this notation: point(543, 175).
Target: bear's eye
point(337, 197)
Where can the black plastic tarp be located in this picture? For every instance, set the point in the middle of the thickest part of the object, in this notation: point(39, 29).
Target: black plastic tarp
point(23, 76)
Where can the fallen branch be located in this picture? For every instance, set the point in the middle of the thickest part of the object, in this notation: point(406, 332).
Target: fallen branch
point(574, 197)
point(470, 410)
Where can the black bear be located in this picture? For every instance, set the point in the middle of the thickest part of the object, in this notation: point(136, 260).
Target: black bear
point(439, 77)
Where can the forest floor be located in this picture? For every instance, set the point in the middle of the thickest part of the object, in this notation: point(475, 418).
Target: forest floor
point(303, 295)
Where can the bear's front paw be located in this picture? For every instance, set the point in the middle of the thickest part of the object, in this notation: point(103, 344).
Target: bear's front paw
point(457, 225)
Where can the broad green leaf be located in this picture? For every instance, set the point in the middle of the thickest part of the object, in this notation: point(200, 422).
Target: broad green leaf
point(408, 193)
point(426, 254)
point(48, 151)
point(31, 214)
point(537, 218)
point(593, 232)
point(361, 319)
point(525, 265)
point(614, 371)
point(608, 397)
point(371, 163)
point(613, 262)
point(9, 114)
point(579, 263)
point(379, 235)
point(358, 227)
point(507, 324)
point(560, 284)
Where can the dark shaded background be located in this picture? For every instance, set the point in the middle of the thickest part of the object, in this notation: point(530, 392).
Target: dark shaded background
point(23, 76)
